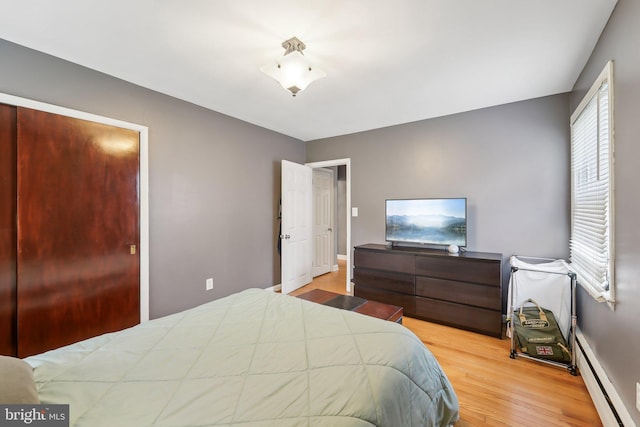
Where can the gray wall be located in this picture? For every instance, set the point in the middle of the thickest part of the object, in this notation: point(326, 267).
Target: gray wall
point(214, 180)
point(615, 335)
point(510, 162)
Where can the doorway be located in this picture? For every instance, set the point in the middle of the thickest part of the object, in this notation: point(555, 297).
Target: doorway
point(341, 208)
point(324, 230)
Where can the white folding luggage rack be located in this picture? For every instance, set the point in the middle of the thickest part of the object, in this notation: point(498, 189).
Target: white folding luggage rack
point(552, 284)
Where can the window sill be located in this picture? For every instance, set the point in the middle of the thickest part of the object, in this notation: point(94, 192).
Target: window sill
point(600, 295)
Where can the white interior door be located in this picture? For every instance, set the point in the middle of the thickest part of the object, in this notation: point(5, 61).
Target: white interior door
point(322, 221)
point(347, 209)
point(296, 226)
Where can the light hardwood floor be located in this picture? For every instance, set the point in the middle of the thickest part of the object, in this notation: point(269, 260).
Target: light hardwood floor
point(493, 389)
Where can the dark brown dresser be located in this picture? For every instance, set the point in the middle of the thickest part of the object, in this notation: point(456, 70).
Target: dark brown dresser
point(463, 290)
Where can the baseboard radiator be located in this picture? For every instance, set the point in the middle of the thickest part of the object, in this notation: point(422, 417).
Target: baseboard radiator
point(605, 397)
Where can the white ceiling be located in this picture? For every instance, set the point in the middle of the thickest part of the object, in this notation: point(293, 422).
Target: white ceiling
point(387, 62)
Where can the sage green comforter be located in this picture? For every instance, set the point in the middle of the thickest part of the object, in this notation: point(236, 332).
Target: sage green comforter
point(255, 358)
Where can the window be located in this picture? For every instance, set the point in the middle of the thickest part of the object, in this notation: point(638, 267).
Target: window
point(591, 245)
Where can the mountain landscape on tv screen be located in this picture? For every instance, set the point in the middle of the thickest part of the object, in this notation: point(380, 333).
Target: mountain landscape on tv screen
point(435, 229)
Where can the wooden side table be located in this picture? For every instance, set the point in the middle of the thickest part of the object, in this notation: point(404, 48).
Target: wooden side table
point(380, 310)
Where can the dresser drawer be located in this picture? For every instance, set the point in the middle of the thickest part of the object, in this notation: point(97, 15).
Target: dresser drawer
point(461, 316)
point(460, 269)
point(459, 292)
point(394, 282)
point(402, 263)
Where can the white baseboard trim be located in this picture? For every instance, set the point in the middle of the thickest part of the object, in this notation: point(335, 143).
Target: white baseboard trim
point(342, 257)
point(274, 288)
point(335, 268)
point(603, 393)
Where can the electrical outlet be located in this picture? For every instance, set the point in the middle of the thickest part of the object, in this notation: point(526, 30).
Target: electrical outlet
point(638, 396)
point(209, 283)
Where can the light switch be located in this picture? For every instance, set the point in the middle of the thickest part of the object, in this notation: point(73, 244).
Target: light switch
point(354, 211)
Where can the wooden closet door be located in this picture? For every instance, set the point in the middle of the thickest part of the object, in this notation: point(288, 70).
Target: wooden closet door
point(78, 230)
point(7, 230)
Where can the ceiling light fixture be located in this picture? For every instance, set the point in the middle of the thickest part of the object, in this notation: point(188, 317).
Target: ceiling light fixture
point(293, 71)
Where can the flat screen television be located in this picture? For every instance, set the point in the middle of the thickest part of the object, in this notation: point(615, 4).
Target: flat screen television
point(427, 221)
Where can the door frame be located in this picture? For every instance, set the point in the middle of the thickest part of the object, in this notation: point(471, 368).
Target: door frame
point(342, 162)
point(144, 178)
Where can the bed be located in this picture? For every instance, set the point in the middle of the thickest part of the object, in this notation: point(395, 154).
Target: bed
point(255, 358)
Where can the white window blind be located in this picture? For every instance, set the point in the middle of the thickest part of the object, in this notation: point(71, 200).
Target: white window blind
point(591, 248)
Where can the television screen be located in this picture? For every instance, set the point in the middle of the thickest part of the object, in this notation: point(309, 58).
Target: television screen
point(427, 221)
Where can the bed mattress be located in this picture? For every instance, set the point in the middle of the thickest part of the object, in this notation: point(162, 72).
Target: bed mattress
point(255, 358)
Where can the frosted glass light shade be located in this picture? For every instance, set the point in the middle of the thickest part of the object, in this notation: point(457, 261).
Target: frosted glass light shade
point(293, 72)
